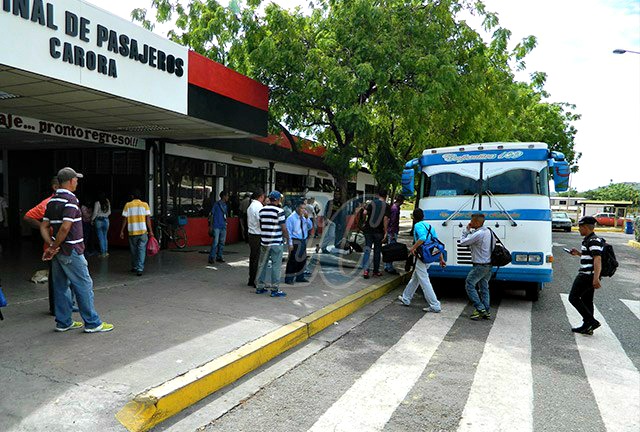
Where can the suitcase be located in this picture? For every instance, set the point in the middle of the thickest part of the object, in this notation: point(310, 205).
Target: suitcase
point(394, 252)
point(356, 241)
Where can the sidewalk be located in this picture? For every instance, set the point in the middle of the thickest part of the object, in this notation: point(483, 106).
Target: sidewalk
point(180, 314)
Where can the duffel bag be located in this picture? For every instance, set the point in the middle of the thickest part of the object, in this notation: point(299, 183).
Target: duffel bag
point(394, 252)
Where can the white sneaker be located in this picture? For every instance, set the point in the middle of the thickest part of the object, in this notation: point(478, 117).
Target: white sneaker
point(401, 299)
point(430, 309)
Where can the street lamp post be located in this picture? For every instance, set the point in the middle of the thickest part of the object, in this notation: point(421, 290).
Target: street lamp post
point(622, 51)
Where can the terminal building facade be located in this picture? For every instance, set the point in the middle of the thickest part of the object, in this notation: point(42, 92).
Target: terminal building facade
point(129, 109)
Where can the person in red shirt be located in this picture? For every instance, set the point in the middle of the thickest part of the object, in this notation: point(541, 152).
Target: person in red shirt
point(34, 218)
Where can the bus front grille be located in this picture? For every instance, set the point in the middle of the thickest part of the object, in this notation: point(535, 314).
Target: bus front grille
point(463, 254)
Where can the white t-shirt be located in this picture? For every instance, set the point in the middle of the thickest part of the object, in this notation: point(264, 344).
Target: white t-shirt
point(253, 217)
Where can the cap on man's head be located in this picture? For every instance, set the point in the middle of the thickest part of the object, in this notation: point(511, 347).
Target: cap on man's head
point(275, 195)
point(67, 173)
point(587, 220)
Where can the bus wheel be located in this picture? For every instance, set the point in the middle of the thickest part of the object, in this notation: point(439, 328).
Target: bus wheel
point(532, 292)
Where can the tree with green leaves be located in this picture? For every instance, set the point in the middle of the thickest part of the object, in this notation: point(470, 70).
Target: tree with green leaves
point(616, 192)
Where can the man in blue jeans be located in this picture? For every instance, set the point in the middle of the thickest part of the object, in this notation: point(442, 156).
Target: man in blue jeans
point(375, 231)
point(66, 252)
point(478, 238)
point(137, 220)
point(219, 213)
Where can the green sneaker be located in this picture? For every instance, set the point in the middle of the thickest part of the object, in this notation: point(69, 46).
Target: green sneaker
point(74, 325)
point(478, 314)
point(487, 315)
point(104, 327)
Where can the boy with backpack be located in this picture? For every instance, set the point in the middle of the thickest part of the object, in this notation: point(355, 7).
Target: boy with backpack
point(593, 255)
point(422, 233)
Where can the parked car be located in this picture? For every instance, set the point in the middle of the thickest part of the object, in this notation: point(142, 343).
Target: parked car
point(608, 219)
point(560, 220)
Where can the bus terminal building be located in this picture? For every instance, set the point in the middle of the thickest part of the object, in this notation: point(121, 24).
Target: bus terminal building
point(129, 109)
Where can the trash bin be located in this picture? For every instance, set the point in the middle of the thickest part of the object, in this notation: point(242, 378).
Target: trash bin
point(628, 229)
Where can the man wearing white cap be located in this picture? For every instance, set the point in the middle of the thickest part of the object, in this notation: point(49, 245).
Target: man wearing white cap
point(66, 251)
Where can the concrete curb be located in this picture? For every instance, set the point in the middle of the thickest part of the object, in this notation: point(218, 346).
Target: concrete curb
point(157, 404)
point(634, 244)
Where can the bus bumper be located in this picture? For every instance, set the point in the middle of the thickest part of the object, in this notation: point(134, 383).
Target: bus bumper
point(508, 273)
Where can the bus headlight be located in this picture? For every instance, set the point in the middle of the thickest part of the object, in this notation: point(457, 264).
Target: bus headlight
point(520, 258)
point(535, 258)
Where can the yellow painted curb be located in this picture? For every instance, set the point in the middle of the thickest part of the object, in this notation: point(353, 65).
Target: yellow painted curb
point(634, 244)
point(157, 404)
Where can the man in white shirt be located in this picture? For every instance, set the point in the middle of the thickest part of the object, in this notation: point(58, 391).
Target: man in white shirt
point(253, 227)
point(478, 238)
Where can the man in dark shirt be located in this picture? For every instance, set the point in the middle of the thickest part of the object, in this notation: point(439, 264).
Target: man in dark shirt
point(588, 279)
point(393, 229)
point(375, 231)
point(66, 251)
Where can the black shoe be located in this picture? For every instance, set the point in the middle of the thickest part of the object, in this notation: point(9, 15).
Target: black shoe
point(588, 330)
point(289, 282)
point(392, 271)
point(211, 261)
point(578, 329)
point(133, 270)
point(302, 280)
point(139, 273)
point(251, 284)
point(220, 260)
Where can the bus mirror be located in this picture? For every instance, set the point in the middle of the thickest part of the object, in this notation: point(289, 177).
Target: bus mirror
point(408, 184)
point(561, 172)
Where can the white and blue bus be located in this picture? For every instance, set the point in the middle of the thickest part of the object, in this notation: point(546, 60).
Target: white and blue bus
point(509, 183)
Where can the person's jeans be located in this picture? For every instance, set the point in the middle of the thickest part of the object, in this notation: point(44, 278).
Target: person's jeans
point(328, 235)
point(217, 246)
point(71, 271)
point(421, 277)
point(393, 238)
point(254, 256)
point(102, 228)
point(479, 277)
point(581, 297)
point(372, 239)
point(273, 253)
point(138, 247)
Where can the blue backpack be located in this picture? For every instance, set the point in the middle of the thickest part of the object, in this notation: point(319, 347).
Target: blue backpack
point(431, 249)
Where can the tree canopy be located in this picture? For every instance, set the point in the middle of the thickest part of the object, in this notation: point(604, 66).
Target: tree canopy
point(377, 82)
point(616, 192)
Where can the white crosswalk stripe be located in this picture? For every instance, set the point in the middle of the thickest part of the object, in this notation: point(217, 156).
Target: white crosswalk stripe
point(613, 378)
point(501, 397)
point(370, 402)
point(633, 305)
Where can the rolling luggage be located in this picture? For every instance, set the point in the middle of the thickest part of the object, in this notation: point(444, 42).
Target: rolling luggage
point(394, 252)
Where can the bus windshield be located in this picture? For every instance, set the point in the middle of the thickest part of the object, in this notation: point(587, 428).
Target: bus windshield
point(518, 181)
point(449, 184)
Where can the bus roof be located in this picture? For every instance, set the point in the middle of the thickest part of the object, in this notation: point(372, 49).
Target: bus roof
point(487, 146)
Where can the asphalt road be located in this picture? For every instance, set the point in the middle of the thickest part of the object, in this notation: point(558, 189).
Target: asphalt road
point(400, 369)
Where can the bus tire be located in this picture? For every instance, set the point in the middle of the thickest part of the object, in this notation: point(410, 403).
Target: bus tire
point(532, 292)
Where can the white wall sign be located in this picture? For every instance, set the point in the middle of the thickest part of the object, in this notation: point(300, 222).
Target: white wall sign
point(27, 124)
point(82, 44)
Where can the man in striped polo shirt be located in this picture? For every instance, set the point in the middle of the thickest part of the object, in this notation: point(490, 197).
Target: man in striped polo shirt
point(272, 230)
point(66, 251)
point(136, 214)
point(588, 279)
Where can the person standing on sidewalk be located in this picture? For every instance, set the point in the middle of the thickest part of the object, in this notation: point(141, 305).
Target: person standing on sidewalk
point(219, 214)
point(137, 220)
point(66, 252)
point(588, 278)
point(242, 208)
point(478, 238)
point(375, 231)
point(422, 232)
point(298, 225)
point(273, 229)
point(253, 227)
point(393, 229)
point(100, 219)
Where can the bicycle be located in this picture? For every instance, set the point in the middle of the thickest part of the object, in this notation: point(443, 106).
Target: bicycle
point(175, 233)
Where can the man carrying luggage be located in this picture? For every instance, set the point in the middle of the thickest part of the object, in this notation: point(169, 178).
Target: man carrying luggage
point(393, 230)
point(422, 232)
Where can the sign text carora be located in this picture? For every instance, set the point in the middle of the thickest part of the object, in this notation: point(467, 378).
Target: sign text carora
point(81, 28)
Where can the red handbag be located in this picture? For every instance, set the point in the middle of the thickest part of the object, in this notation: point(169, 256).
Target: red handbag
point(153, 247)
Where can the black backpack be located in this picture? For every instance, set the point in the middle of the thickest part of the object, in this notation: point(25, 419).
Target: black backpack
point(500, 255)
point(609, 261)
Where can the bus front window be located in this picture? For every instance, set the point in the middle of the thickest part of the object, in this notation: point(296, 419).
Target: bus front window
point(448, 184)
point(518, 182)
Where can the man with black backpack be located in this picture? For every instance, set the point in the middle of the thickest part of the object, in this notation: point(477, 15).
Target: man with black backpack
point(588, 279)
point(479, 239)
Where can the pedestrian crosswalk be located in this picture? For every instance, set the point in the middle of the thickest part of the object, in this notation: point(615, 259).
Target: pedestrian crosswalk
point(501, 390)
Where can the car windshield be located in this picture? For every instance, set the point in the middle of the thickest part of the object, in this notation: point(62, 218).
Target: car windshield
point(560, 215)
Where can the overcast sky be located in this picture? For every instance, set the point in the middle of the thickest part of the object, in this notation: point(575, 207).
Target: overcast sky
point(575, 43)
